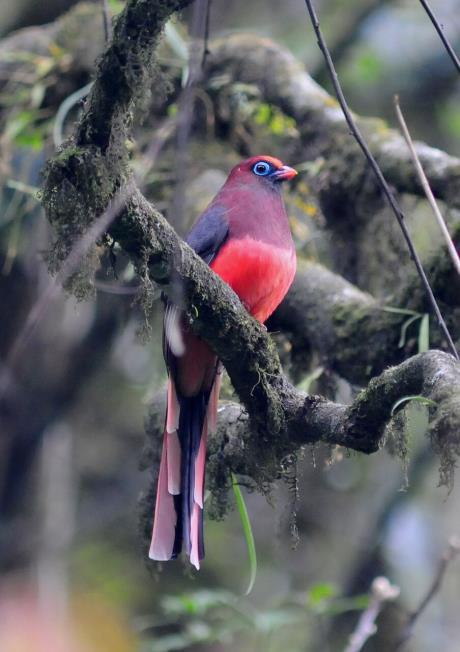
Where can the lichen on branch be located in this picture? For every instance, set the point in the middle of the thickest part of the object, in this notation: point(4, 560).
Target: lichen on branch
point(90, 174)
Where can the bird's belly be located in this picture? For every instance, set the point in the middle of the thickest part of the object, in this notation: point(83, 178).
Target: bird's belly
point(258, 272)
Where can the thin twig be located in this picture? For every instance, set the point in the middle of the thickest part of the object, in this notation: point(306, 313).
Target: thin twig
point(426, 187)
point(381, 591)
point(350, 30)
point(206, 34)
point(379, 175)
point(61, 115)
point(450, 554)
point(106, 20)
point(442, 36)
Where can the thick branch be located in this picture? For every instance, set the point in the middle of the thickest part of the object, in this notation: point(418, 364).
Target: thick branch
point(284, 82)
point(357, 339)
point(360, 426)
point(280, 414)
point(124, 72)
point(127, 67)
point(353, 333)
point(282, 418)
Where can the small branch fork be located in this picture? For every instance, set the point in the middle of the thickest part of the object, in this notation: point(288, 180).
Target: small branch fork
point(379, 175)
point(381, 592)
point(450, 554)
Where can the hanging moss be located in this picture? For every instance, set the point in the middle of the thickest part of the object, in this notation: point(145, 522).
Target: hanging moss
point(78, 185)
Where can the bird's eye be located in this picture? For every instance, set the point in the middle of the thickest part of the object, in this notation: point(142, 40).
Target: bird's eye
point(262, 168)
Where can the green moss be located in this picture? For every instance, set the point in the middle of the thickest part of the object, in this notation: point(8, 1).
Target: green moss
point(77, 188)
point(445, 437)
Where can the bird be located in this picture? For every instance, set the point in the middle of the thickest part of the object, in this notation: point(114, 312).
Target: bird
point(244, 236)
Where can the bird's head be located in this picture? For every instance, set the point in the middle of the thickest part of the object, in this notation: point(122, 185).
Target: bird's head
point(262, 169)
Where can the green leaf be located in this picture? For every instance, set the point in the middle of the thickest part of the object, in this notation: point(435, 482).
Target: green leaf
point(115, 6)
point(323, 599)
point(263, 114)
point(398, 311)
point(417, 397)
point(18, 123)
point(43, 65)
point(424, 334)
point(270, 116)
point(32, 138)
point(197, 603)
point(22, 187)
point(175, 41)
point(320, 592)
point(37, 94)
point(404, 327)
point(449, 118)
point(305, 383)
point(247, 529)
point(369, 67)
point(272, 619)
point(343, 605)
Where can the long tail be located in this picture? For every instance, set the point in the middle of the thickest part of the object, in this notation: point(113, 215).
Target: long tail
point(178, 520)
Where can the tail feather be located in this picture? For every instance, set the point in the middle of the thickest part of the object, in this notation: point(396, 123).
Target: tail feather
point(200, 461)
point(173, 408)
point(192, 417)
point(196, 543)
point(209, 425)
point(164, 527)
point(214, 401)
point(172, 440)
point(174, 462)
point(180, 495)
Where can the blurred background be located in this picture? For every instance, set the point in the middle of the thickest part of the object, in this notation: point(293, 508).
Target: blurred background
point(78, 375)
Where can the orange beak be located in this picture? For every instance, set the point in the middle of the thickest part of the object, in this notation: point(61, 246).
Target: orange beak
point(284, 173)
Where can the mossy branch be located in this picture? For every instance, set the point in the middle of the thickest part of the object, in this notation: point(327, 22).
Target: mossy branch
point(282, 418)
point(79, 184)
point(284, 82)
point(353, 333)
point(360, 426)
point(124, 72)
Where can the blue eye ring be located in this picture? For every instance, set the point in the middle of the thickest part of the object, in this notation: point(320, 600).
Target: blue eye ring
point(261, 168)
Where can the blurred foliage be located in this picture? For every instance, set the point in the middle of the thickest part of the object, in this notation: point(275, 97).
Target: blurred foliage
point(207, 616)
point(102, 568)
point(449, 117)
point(274, 119)
point(28, 122)
point(367, 67)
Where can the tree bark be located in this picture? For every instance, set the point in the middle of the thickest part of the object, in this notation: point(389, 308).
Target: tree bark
point(90, 176)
